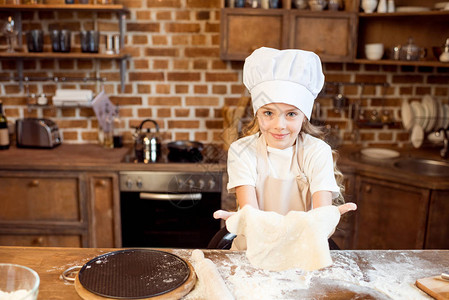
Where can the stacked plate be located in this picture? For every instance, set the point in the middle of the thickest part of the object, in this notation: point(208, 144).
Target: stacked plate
point(423, 116)
point(412, 9)
point(442, 6)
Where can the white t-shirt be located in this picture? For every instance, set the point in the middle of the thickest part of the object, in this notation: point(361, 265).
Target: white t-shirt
point(317, 164)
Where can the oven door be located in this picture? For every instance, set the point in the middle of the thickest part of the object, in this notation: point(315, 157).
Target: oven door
point(173, 220)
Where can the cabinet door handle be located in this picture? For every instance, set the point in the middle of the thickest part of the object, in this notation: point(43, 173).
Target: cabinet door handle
point(368, 188)
point(34, 182)
point(101, 182)
point(176, 197)
point(38, 241)
point(320, 51)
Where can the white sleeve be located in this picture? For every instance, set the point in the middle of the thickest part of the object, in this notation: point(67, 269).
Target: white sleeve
point(319, 168)
point(242, 164)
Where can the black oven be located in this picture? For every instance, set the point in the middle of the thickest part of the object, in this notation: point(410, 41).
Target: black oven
point(169, 209)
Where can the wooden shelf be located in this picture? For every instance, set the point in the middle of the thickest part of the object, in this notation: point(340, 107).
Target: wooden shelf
point(89, 7)
point(56, 55)
point(51, 106)
point(420, 63)
point(371, 124)
point(405, 14)
point(19, 57)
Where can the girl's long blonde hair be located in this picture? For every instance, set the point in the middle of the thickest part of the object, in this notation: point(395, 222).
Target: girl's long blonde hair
point(316, 131)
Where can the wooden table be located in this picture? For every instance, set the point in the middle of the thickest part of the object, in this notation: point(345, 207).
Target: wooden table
point(373, 273)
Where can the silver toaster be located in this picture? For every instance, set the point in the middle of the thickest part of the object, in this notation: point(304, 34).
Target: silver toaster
point(37, 133)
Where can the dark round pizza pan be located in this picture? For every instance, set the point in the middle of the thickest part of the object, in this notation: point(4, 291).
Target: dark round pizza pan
point(134, 274)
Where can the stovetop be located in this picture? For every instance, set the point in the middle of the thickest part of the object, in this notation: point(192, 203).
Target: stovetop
point(210, 154)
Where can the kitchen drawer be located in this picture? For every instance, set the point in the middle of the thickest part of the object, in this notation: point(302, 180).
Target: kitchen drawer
point(38, 197)
point(41, 240)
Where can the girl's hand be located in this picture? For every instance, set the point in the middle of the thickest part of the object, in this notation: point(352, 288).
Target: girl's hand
point(344, 208)
point(222, 214)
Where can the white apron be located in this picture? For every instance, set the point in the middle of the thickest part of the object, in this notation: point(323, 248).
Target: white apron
point(279, 195)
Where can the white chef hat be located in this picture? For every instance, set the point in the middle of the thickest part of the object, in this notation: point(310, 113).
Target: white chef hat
point(289, 76)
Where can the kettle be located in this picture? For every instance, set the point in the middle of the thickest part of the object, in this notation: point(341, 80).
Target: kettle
point(147, 145)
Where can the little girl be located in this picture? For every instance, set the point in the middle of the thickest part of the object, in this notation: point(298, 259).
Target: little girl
point(283, 164)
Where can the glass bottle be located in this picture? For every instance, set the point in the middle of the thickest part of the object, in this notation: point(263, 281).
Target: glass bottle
point(117, 137)
point(391, 6)
point(334, 5)
point(108, 130)
point(4, 133)
point(382, 6)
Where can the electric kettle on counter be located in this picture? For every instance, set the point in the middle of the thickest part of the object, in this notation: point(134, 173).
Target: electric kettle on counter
point(147, 144)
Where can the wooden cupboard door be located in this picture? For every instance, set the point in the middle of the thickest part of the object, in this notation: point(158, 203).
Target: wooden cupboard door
point(437, 236)
point(245, 30)
point(41, 240)
point(39, 197)
point(390, 215)
point(332, 36)
point(105, 226)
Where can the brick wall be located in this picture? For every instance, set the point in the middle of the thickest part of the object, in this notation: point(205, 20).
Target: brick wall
point(176, 77)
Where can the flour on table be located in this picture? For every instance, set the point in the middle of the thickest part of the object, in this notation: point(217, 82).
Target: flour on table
point(296, 240)
point(19, 294)
point(390, 273)
point(387, 276)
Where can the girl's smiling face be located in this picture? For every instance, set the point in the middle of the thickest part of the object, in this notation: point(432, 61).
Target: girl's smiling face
point(280, 123)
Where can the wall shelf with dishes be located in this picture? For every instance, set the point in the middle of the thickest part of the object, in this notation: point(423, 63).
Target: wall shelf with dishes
point(420, 63)
point(342, 34)
point(413, 34)
point(62, 97)
point(18, 53)
point(119, 8)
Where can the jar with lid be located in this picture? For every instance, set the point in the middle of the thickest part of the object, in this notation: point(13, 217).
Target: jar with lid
point(334, 5)
point(411, 51)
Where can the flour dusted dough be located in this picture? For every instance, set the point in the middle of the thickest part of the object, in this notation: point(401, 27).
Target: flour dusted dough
point(296, 240)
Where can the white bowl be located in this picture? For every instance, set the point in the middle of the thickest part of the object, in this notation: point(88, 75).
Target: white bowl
point(369, 6)
point(316, 7)
point(374, 51)
point(18, 282)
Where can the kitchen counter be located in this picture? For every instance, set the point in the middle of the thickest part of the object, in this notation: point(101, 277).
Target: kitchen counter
point(86, 157)
point(351, 160)
point(92, 157)
point(372, 274)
